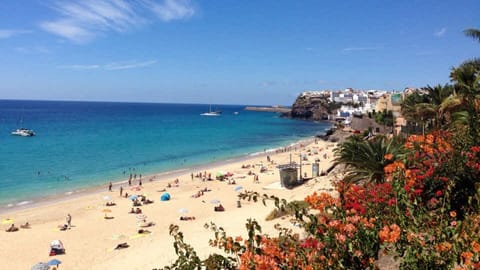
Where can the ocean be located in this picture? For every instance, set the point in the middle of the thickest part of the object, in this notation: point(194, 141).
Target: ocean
point(80, 145)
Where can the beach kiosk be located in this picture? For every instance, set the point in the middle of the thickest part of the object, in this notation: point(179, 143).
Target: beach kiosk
point(289, 175)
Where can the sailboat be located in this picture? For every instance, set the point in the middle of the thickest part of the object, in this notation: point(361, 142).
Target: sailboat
point(24, 132)
point(211, 113)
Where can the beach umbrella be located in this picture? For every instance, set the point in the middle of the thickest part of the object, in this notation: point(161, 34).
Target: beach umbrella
point(215, 201)
point(183, 210)
point(165, 196)
point(54, 262)
point(41, 266)
point(238, 188)
point(133, 197)
point(7, 221)
point(220, 173)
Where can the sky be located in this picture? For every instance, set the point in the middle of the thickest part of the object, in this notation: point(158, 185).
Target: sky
point(257, 52)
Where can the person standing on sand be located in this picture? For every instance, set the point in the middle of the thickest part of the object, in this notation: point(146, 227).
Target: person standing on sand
point(69, 220)
point(121, 191)
point(110, 186)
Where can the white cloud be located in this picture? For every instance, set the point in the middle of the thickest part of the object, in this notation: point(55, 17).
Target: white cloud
point(68, 29)
point(129, 65)
point(441, 32)
point(112, 66)
point(170, 10)
point(82, 67)
point(33, 50)
point(82, 20)
point(8, 33)
point(352, 49)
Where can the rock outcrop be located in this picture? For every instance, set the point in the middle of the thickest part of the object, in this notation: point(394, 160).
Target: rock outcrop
point(311, 107)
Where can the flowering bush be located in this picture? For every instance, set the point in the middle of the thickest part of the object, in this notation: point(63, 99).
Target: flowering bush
point(424, 211)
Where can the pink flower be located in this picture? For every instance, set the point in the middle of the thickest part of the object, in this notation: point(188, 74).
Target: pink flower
point(340, 237)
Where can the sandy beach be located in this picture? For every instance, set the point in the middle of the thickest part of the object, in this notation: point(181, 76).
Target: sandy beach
point(91, 240)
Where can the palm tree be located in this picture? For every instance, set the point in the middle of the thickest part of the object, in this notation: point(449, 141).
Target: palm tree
point(409, 111)
point(425, 113)
point(421, 109)
point(467, 86)
point(472, 32)
point(365, 160)
point(439, 98)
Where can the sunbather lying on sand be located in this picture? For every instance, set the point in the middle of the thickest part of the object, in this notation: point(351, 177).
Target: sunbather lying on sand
point(198, 194)
point(143, 231)
point(187, 218)
point(147, 224)
point(12, 228)
point(147, 201)
point(219, 208)
point(122, 245)
point(25, 226)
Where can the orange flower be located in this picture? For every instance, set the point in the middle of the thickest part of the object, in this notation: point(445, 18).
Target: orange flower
point(388, 156)
point(453, 214)
point(444, 246)
point(321, 202)
point(467, 257)
point(350, 229)
point(389, 234)
point(476, 247)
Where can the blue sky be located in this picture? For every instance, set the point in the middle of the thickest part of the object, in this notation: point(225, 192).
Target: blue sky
point(227, 51)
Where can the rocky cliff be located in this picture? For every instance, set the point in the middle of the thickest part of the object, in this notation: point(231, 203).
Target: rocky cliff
point(311, 108)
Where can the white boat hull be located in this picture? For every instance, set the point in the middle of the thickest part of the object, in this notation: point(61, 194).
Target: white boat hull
point(210, 114)
point(23, 132)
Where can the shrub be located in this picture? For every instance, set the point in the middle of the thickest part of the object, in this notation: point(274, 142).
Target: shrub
point(419, 212)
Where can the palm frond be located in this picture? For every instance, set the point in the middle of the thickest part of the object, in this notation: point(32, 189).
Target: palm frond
point(365, 160)
point(473, 33)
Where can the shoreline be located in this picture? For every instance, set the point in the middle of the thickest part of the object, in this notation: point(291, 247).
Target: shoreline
point(90, 241)
point(158, 177)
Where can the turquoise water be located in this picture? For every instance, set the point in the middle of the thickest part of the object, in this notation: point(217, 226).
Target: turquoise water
point(85, 144)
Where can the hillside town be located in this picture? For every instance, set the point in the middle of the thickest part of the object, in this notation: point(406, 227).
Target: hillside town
point(357, 103)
